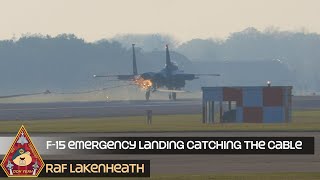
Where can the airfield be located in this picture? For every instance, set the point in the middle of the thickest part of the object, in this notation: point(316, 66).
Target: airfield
point(96, 109)
point(171, 118)
point(58, 110)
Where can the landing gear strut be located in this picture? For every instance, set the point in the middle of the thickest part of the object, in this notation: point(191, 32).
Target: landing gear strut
point(147, 95)
point(173, 96)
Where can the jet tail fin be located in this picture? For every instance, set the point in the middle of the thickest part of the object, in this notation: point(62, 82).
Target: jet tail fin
point(134, 61)
point(168, 60)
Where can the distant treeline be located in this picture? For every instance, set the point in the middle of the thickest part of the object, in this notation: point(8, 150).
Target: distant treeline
point(66, 62)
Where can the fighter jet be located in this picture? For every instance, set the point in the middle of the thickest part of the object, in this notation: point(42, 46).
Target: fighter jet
point(170, 77)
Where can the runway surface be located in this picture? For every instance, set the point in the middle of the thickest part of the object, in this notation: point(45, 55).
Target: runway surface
point(28, 111)
point(58, 110)
point(206, 164)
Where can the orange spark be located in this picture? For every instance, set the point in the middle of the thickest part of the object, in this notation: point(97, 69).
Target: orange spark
point(144, 84)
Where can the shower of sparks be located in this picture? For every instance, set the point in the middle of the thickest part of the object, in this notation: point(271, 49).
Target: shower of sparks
point(144, 84)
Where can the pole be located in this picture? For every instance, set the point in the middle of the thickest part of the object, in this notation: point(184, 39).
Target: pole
point(149, 117)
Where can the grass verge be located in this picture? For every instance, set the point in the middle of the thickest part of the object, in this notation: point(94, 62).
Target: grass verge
point(302, 121)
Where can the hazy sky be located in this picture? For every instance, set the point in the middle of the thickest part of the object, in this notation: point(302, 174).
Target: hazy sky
point(184, 19)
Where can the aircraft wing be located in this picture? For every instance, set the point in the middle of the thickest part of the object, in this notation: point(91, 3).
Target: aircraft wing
point(197, 75)
point(21, 95)
point(186, 76)
point(118, 77)
point(176, 91)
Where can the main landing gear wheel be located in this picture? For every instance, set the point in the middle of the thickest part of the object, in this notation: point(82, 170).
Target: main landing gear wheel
point(173, 96)
point(147, 95)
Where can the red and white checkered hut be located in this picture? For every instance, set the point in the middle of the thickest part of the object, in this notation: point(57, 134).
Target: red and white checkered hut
point(247, 104)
